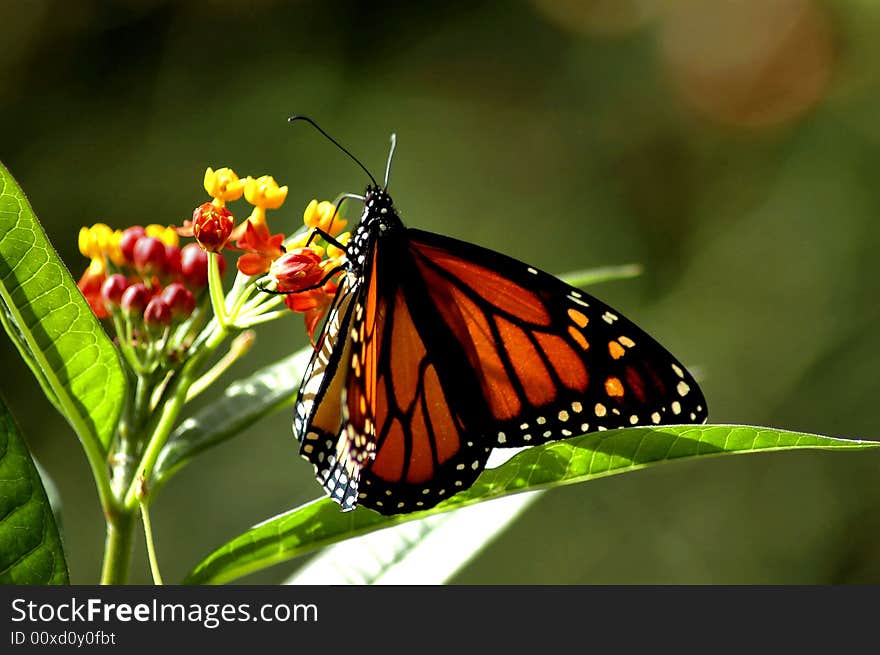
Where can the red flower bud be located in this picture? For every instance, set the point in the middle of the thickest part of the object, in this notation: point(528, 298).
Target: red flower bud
point(194, 266)
point(212, 226)
point(172, 261)
point(157, 313)
point(113, 288)
point(297, 270)
point(149, 255)
point(128, 240)
point(179, 299)
point(135, 299)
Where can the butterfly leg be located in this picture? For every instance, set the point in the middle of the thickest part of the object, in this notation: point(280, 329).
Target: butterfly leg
point(327, 276)
point(318, 232)
point(337, 203)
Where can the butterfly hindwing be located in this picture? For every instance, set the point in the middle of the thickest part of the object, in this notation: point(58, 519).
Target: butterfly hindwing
point(407, 440)
point(318, 411)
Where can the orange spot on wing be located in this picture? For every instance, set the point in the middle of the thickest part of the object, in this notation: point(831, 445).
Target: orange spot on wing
point(615, 349)
point(614, 388)
point(527, 362)
point(388, 464)
point(579, 318)
point(566, 362)
point(578, 337)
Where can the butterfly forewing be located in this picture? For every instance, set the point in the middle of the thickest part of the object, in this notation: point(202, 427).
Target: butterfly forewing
point(553, 361)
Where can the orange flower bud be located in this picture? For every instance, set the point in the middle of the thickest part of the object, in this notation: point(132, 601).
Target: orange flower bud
point(212, 226)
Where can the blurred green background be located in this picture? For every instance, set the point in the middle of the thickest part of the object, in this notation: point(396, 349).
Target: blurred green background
point(731, 147)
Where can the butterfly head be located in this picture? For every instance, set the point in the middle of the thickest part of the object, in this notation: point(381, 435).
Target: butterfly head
point(379, 208)
point(377, 200)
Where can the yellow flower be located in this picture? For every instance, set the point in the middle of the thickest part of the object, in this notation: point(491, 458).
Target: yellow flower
point(223, 185)
point(263, 193)
point(323, 215)
point(112, 249)
point(165, 233)
point(97, 268)
point(93, 240)
point(335, 253)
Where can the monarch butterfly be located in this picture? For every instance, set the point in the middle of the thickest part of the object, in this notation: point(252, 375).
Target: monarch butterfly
point(436, 351)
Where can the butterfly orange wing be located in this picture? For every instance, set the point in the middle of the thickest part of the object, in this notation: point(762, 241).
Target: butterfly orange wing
point(552, 361)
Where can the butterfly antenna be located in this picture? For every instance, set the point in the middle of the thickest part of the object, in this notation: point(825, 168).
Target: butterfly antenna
point(335, 143)
point(390, 158)
point(337, 203)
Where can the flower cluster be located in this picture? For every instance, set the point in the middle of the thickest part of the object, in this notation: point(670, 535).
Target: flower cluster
point(151, 288)
point(145, 283)
point(301, 268)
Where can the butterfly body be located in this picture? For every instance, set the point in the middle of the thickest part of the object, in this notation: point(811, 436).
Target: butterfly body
point(435, 351)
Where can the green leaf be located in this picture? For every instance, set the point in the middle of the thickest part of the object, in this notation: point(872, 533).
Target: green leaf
point(30, 546)
point(53, 328)
point(578, 459)
point(591, 276)
point(427, 551)
point(243, 403)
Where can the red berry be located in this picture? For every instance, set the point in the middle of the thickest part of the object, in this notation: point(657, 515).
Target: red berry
point(179, 299)
point(128, 240)
point(194, 266)
point(172, 261)
point(149, 255)
point(113, 288)
point(158, 312)
point(135, 299)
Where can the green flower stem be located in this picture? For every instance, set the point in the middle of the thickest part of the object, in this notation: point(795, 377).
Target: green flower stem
point(250, 321)
point(261, 303)
point(141, 399)
point(215, 288)
point(124, 344)
point(241, 295)
point(151, 549)
point(117, 548)
point(237, 349)
point(160, 428)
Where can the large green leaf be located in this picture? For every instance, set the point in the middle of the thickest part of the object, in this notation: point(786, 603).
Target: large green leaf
point(30, 547)
point(578, 459)
point(52, 326)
